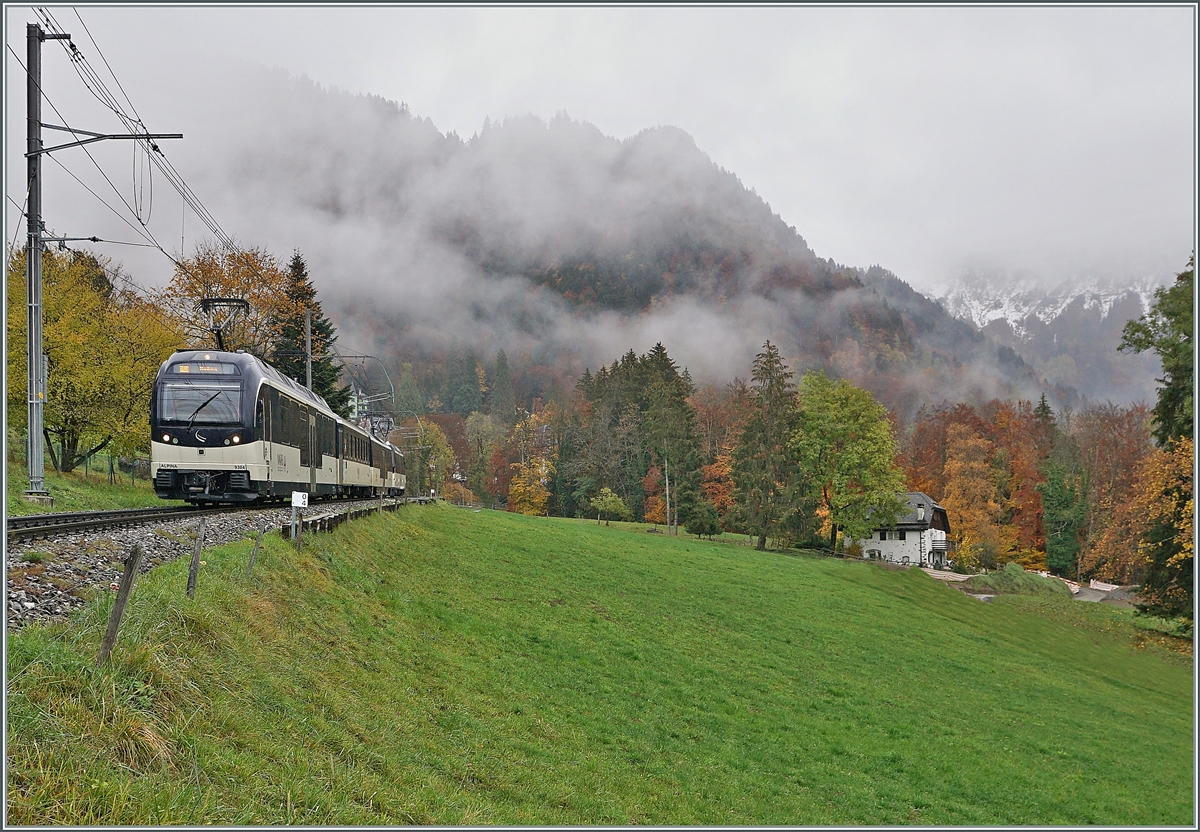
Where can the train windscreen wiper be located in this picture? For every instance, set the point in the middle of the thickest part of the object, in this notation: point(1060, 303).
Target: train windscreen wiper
point(203, 405)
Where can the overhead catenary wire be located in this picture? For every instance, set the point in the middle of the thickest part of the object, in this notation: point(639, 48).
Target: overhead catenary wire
point(140, 228)
point(20, 218)
point(96, 87)
point(135, 125)
point(83, 147)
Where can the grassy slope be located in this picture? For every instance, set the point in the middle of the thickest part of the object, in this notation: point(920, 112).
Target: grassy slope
point(74, 492)
point(446, 666)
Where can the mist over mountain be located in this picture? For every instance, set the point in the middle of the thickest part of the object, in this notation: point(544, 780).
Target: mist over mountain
point(566, 248)
point(1069, 330)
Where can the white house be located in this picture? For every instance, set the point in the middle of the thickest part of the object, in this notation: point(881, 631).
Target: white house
point(917, 539)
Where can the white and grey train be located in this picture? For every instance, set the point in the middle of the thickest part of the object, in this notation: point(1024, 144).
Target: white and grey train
point(228, 428)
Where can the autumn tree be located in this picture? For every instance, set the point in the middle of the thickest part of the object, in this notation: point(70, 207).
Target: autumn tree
point(436, 462)
point(970, 497)
point(252, 275)
point(1167, 329)
point(288, 352)
point(1167, 498)
point(104, 346)
point(716, 484)
point(765, 475)
point(528, 491)
point(845, 447)
point(1112, 441)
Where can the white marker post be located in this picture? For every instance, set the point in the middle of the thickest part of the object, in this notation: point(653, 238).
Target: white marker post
point(299, 501)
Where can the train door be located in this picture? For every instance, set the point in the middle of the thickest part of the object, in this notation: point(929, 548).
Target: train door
point(313, 453)
point(339, 454)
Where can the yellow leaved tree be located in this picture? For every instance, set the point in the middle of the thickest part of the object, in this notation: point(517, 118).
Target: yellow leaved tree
point(970, 496)
point(104, 345)
point(529, 491)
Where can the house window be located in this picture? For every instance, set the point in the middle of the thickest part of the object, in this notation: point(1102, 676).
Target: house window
point(901, 534)
point(883, 535)
point(920, 511)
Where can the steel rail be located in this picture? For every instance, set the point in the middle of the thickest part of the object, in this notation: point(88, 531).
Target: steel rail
point(31, 526)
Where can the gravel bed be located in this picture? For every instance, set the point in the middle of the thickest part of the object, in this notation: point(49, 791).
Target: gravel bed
point(49, 578)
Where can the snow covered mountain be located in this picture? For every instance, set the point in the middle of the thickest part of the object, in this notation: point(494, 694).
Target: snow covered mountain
point(1068, 330)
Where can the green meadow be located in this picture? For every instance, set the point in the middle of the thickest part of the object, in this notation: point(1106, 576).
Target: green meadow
point(80, 490)
point(449, 666)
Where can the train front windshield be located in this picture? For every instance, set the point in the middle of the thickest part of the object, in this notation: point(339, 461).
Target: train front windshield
point(201, 401)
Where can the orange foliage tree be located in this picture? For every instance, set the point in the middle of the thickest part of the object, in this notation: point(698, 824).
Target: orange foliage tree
point(252, 275)
point(1157, 516)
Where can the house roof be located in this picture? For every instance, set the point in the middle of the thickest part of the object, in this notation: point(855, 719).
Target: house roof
point(913, 499)
point(910, 519)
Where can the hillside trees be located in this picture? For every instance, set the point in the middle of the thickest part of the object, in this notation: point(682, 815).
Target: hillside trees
point(463, 393)
point(287, 353)
point(1164, 490)
point(845, 446)
point(503, 401)
point(104, 345)
point(1167, 329)
point(764, 472)
point(628, 419)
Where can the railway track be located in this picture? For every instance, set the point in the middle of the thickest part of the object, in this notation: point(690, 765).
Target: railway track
point(33, 526)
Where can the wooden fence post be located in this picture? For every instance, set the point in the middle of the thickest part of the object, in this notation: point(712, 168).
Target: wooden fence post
point(254, 553)
point(195, 567)
point(132, 562)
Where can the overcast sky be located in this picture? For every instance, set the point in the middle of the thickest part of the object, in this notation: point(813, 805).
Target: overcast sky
point(928, 140)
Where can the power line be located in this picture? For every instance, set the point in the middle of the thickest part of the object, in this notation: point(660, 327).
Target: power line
point(143, 231)
point(42, 92)
point(154, 153)
point(20, 217)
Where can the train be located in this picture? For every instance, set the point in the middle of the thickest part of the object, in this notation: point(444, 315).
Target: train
point(229, 428)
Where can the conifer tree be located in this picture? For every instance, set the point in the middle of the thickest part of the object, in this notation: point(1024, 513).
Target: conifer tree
point(463, 395)
point(764, 472)
point(504, 400)
point(288, 355)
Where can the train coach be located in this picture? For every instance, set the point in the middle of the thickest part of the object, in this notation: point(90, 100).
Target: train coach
point(229, 428)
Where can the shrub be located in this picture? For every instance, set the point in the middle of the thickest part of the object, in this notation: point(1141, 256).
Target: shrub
point(1013, 580)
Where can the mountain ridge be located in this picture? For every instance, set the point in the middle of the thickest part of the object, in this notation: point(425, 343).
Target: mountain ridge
point(568, 247)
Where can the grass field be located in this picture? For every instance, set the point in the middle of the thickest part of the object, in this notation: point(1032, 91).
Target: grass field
point(76, 492)
point(446, 666)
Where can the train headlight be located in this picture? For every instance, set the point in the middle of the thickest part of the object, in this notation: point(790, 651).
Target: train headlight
point(166, 437)
point(226, 441)
point(175, 441)
point(236, 438)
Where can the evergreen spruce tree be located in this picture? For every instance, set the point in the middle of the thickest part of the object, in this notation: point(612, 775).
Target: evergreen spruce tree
point(504, 400)
point(765, 474)
point(408, 394)
point(288, 353)
point(463, 395)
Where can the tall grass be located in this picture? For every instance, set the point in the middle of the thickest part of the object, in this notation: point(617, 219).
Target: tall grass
point(452, 667)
